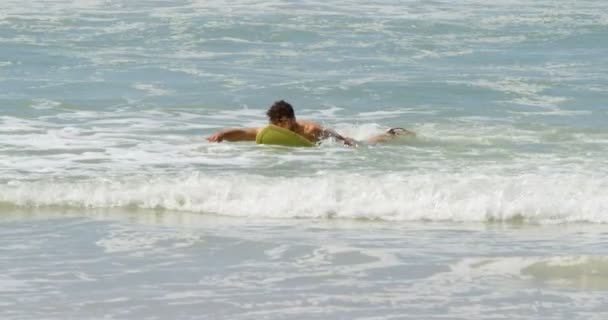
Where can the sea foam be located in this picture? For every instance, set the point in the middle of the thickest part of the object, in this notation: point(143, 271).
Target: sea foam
point(532, 198)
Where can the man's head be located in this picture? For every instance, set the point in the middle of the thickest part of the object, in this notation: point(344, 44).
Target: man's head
point(281, 114)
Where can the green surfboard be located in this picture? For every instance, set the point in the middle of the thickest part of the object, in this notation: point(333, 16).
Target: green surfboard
point(275, 135)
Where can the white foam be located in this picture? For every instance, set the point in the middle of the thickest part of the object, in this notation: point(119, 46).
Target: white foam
point(523, 91)
point(44, 104)
point(424, 54)
point(140, 242)
point(152, 89)
point(194, 71)
point(436, 197)
point(585, 272)
point(122, 27)
point(500, 39)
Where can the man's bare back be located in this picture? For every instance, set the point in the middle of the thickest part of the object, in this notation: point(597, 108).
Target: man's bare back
point(310, 130)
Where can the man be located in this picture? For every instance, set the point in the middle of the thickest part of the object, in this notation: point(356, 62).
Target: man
point(281, 114)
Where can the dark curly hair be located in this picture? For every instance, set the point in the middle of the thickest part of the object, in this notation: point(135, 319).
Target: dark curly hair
point(280, 109)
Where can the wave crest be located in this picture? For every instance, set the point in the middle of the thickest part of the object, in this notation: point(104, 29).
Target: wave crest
point(393, 197)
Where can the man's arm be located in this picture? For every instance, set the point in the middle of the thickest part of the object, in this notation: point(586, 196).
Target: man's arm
point(330, 133)
point(247, 134)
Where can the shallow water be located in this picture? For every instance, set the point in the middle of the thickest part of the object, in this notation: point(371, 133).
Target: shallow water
point(147, 265)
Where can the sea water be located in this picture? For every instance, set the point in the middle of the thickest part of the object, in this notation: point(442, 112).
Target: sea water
point(113, 204)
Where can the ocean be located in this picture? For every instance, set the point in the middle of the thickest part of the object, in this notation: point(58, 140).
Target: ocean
point(114, 206)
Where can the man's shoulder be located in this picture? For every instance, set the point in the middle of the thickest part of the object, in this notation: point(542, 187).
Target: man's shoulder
point(309, 124)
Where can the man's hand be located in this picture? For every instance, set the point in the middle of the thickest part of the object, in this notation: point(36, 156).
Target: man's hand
point(349, 142)
point(330, 133)
point(216, 137)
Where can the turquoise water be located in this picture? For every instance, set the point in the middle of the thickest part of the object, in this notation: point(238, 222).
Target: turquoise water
point(105, 106)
